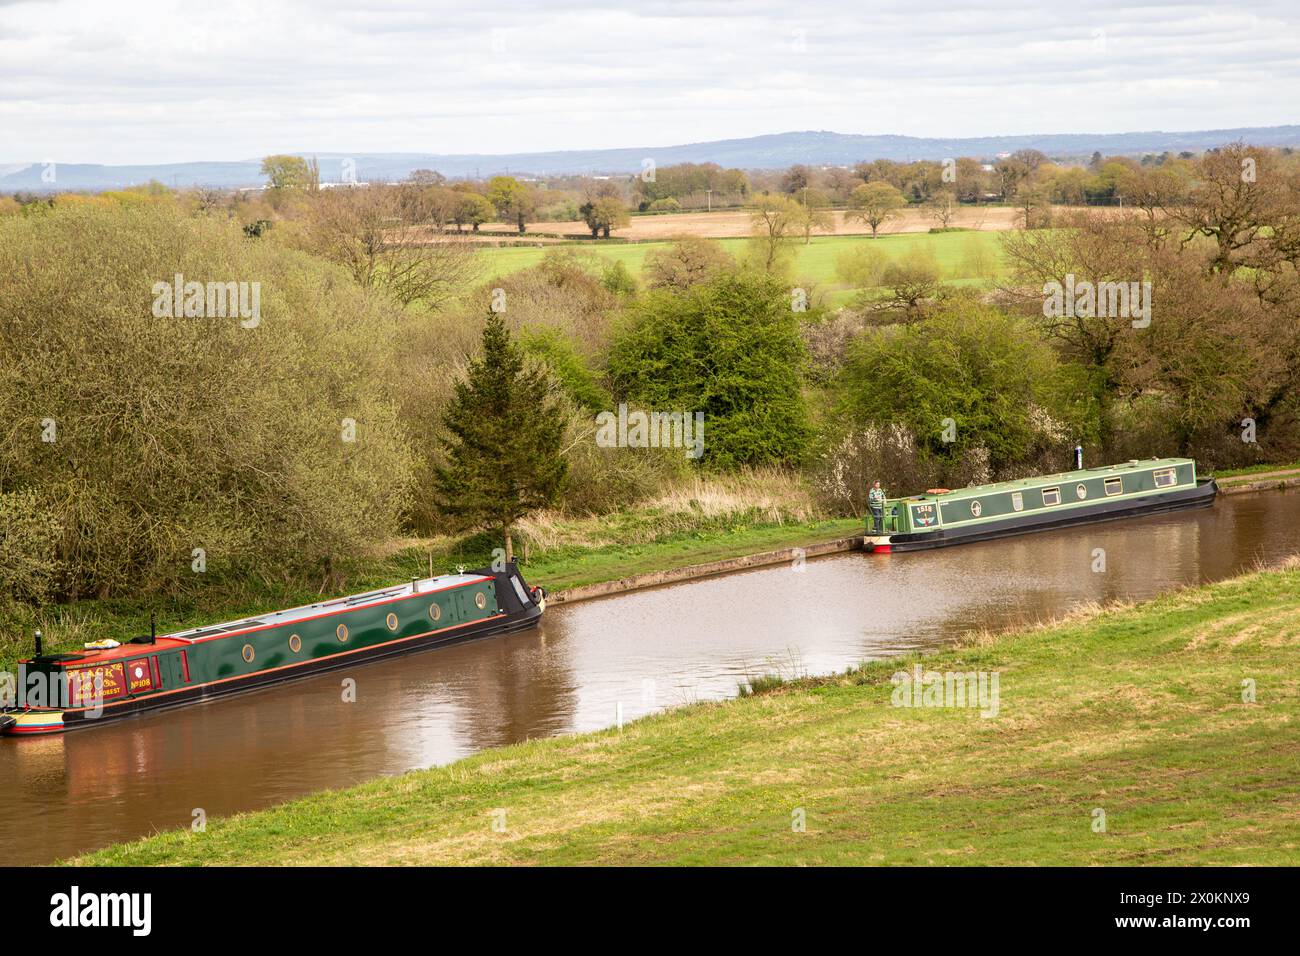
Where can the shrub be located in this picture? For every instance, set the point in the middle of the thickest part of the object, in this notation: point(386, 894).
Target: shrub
point(29, 537)
point(150, 437)
point(604, 480)
point(689, 261)
point(730, 349)
point(566, 366)
point(861, 266)
point(993, 376)
point(618, 279)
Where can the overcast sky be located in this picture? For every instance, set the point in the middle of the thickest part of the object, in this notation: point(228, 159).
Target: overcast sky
point(148, 81)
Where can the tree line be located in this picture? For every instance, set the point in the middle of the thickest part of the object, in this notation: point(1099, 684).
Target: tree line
point(141, 448)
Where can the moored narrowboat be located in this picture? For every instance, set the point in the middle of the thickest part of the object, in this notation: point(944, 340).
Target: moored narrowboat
point(58, 692)
point(1134, 489)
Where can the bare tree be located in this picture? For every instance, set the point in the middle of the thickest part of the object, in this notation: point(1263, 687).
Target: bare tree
point(1234, 202)
point(374, 232)
point(814, 212)
point(942, 207)
point(773, 220)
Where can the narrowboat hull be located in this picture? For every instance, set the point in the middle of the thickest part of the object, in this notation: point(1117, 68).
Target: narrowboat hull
point(295, 644)
point(1193, 493)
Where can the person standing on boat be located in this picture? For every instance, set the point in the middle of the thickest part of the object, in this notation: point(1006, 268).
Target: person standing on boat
point(876, 502)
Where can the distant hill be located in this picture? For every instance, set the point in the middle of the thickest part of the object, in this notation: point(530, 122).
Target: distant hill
point(773, 151)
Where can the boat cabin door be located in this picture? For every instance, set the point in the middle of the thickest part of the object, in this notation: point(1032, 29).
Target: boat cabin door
point(172, 666)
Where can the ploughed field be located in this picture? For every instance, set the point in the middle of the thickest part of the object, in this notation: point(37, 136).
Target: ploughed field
point(733, 223)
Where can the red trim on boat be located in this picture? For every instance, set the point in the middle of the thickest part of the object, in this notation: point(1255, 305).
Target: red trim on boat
point(317, 617)
point(34, 731)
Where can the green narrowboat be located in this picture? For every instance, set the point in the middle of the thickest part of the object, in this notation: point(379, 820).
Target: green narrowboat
point(1134, 489)
point(58, 692)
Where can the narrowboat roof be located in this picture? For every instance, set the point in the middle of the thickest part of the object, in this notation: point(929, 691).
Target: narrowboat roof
point(1046, 481)
point(325, 607)
point(181, 639)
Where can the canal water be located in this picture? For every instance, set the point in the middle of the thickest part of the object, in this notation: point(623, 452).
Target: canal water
point(590, 662)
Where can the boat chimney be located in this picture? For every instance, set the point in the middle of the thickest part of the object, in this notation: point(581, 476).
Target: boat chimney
point(38, 642)
point(1078, 458)
point(415, 585)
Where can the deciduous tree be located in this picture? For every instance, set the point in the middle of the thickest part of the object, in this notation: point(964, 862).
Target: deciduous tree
point(875, 203)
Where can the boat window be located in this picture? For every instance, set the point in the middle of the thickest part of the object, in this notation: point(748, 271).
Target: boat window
point(1051, 496)
point(1017, 501)
point(1081, 490)
point(975, 509)
point(342, 632)
point(1165, 478)
point(519, 589)
point(295, 643)
point(391, 621)
point(1114, 486)
point(481, 600)
point(435, 611)
point(248, 653)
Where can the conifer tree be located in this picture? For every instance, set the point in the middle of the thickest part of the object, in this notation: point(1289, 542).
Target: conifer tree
point(504, 433)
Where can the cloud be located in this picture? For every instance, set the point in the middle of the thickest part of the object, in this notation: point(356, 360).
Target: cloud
point(173, 80)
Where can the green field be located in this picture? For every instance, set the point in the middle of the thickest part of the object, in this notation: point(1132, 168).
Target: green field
point(957, 255)
point(1120, 737)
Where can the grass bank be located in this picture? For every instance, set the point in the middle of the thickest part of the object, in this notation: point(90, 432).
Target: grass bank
point(1136, 713)
point(1237, 477)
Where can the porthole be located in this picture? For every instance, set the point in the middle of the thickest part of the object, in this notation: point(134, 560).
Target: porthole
point(976, 508)
point(248, 653)
point(391, 621)
point(295, 643)
point(342, 632)
point(435, 611)
point(481, 600)
point(1081, 490)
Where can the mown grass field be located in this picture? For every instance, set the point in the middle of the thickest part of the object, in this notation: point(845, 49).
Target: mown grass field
point(960, 256)
point(1135, 713)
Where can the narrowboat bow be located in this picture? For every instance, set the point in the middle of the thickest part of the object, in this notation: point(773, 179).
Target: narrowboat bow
point(59, 692)
point(1134, 489)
